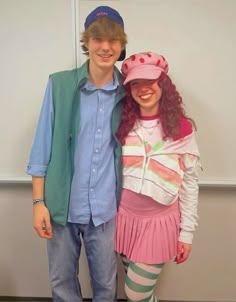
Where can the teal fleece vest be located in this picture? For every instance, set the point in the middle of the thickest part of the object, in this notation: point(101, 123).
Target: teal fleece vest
point(66, 87)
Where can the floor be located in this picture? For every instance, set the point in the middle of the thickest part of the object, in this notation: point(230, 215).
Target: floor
point(47, 300)
point(39, 300)
point(30, 299)
point(16, 299)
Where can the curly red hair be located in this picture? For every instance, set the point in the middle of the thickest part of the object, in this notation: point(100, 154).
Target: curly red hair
point(171, 112)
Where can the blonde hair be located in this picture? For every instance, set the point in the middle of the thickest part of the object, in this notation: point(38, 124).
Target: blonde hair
point(103, 27)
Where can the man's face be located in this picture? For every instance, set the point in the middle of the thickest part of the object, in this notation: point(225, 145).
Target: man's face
point(103, 53)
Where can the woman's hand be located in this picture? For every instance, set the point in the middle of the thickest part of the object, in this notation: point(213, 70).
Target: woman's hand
point(183, 251)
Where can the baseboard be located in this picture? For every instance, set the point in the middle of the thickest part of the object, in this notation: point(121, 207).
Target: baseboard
point(32, 299)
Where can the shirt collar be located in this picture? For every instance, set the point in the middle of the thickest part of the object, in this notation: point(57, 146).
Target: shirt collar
point(111, 86)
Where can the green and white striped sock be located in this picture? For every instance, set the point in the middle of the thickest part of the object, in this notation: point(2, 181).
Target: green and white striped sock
point(140, 281)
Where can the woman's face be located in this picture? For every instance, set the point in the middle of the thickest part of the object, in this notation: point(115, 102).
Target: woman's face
point(147, 94)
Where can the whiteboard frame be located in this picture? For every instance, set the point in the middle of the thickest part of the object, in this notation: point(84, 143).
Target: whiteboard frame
point(208, 183)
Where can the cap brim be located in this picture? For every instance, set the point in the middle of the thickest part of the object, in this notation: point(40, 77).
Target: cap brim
point(143, 72)
point(122, 55)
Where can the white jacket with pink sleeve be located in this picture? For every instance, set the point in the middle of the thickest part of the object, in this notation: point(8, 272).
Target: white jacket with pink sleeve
point(166, 172)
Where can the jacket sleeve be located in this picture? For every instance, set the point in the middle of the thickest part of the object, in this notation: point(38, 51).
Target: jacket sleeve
point(188, 198)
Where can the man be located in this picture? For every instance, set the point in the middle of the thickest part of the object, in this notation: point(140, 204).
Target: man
point(75, 162)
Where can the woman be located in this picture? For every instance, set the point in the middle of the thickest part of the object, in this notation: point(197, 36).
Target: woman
point(157, 214)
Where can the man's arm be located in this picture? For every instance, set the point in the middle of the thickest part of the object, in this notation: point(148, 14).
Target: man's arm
point(38, 162)
point(41, 216)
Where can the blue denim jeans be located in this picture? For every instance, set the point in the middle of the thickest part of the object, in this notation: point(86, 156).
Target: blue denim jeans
point(63, 257)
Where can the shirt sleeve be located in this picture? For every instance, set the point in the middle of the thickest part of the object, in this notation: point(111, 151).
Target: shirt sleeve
point(41, 147)
point(188, 198)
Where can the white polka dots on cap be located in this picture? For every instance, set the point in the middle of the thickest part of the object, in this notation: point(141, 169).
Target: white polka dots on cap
point(144, 65)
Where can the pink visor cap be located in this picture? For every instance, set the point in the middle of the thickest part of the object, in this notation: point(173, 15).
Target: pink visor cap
point(145, 65)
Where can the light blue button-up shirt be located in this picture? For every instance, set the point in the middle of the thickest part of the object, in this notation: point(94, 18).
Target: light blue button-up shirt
point(94, 183)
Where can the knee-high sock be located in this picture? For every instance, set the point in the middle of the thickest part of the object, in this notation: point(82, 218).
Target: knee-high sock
point(140, 281)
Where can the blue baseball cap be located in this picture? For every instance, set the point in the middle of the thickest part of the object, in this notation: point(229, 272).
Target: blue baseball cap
point(103, 11)
point(106, 11)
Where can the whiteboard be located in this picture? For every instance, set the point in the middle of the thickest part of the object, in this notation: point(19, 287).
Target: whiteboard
point(197, 37)
point(36, 40)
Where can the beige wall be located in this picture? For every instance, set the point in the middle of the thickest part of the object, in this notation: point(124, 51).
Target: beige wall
point(209, 275)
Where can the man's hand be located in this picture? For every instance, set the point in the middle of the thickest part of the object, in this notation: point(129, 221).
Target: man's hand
point(183, 251)
point(41, 220)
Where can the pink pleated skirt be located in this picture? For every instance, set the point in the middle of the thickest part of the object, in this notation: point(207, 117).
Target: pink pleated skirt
point(146, 231)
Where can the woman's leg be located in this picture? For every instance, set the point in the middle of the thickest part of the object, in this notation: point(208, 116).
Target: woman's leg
point(140, 281)
point(125, 262)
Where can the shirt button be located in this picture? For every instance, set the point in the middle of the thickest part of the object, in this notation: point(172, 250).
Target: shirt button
point(91, 189)
point(96, 150)
point(99, 130)
point(94, 170)
point(100, 109)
